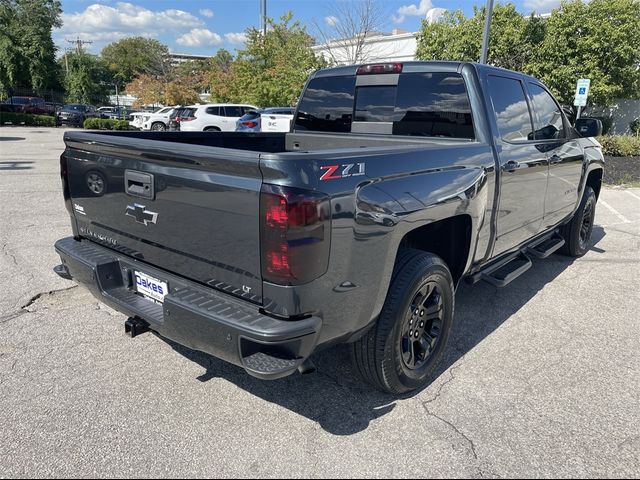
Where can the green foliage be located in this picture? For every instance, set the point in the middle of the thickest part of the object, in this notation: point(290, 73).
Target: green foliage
point(134, 56)
point(27, 51)
point(599, 40)
point(27, 119)
point(88, 78)
point(635, 127)
point(272, 69)
point(456, 37)
point(105, 124)
point(620, 145)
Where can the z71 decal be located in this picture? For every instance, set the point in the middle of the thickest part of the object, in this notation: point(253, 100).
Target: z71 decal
point(343, 171)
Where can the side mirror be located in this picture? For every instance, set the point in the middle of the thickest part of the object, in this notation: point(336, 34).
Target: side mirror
point(589, 127)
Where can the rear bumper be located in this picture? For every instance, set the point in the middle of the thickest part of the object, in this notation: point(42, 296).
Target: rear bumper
point(197, 317)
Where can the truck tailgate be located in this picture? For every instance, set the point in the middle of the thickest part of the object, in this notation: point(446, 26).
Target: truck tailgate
point(192, 210)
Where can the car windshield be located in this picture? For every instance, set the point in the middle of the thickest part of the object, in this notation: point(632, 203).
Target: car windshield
point(77, 108)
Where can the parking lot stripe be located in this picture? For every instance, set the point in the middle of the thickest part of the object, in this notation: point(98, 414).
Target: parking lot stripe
point(615, 212)
point(632, 194)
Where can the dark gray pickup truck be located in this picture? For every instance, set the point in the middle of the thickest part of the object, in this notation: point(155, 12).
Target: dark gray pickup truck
point(396, 182)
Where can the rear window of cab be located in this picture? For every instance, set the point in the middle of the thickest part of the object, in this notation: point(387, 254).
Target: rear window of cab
point(434, 104)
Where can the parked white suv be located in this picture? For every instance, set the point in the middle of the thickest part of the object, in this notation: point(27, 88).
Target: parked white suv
point(220, 117)
point(157, 121)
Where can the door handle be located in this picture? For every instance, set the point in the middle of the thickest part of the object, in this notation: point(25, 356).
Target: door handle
point(139, 184)
point(511, 166)
point(555, 159)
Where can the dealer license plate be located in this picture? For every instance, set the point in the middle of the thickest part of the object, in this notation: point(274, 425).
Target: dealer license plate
point(151, 287)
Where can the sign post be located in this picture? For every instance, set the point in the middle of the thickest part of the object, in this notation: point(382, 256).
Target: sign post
point(582, 92)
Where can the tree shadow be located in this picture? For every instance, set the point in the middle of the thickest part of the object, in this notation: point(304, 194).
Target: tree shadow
point(11, 139)
point(339, 401)
point(16, 165)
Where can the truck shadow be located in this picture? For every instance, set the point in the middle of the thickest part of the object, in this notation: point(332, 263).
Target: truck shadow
point(334, 396)
point(16, 165)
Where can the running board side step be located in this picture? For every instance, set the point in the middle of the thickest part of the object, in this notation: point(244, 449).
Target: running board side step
point(506, 271)
point(547, 247)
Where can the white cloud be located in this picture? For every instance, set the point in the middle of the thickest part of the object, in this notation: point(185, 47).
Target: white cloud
point(239, 37)
point(199, 37)
point(206, 12)
point(331, 20)
point(411, 10)
point(126, 17)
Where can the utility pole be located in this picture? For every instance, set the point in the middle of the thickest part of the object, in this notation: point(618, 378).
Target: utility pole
point(79, 44)
point(263, 16)
point(487, 29)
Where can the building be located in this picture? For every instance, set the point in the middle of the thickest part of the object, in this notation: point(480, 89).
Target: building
point(399, 45)
point(178, 58)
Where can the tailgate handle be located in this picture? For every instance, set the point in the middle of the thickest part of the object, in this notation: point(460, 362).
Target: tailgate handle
point(138, 184)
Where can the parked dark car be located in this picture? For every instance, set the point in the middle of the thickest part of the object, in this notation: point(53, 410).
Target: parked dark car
point(75, 114)
point(397, 182)
point(178, 115)
point(33, 105)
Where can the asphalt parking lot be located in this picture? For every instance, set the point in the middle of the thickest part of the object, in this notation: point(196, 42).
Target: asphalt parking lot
point(541, 379)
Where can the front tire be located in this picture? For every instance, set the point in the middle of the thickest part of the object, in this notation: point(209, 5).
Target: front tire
point(577, 233)
point(400, 353)
point(158, 127)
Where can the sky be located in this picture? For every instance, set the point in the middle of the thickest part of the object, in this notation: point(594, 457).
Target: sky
point(201, 27)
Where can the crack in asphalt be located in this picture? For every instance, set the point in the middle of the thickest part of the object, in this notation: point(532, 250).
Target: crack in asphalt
point(36, 297)
point(25, 308)
point(451, 425)
point(9, 254)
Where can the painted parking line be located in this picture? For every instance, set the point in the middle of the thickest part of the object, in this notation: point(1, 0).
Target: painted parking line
point(615, 212)
point(632, 194)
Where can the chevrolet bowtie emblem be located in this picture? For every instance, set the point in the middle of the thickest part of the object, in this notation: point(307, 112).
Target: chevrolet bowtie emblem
point(141, 214)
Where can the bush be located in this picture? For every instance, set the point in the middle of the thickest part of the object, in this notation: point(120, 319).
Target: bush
point(635, 126)
point(27, 119)
point(620, 145)
point(105, 124)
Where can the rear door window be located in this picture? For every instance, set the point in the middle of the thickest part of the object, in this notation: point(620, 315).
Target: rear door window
point(213, 111)
point(233, 111)
point(511, 109)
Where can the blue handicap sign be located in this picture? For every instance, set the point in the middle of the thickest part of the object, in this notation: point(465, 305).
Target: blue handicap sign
point(582, 90)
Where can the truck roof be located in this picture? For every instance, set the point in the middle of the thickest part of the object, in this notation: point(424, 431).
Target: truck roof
point(417, 67)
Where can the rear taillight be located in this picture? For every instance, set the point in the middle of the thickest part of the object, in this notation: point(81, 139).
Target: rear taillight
point(178, 119)
point(376, 68)
point(296, 230)
point(64, 176)
point(250, 124)
point(188, 119)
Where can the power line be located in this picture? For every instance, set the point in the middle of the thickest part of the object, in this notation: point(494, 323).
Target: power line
point(79, 44)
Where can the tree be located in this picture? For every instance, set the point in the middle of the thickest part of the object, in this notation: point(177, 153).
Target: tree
point(349, 24)
point(273, 68)
point(456, 37)
point(27, 51)
point(221, 76)
point(133, 56)
point(87, 80)
point(151, 91)
point(599, 40)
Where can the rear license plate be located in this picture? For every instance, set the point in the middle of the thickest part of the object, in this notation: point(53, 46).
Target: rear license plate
point(151, 287)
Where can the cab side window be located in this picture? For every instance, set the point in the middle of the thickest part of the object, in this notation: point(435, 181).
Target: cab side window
point(548, 119)
point(511, 109)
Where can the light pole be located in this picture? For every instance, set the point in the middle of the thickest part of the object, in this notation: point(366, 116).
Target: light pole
point(485, 35)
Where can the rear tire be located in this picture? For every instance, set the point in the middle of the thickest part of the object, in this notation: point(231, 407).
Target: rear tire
point(212, 129)
point(577, 232)
point(401, 351)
